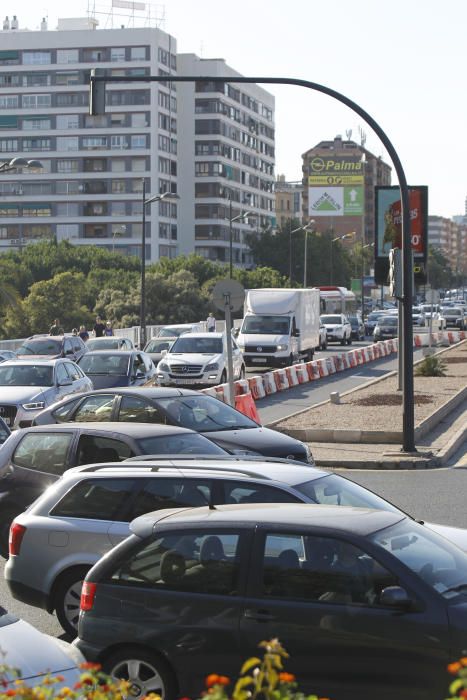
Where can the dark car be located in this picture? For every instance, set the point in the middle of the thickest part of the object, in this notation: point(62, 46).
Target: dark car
point(358, 328)
point(4, 430)
point(109, 368)
point(51, 346)
point(371, 321)
point(33, 458)
point(368, 603)
point(218, 421)
point(386, 328)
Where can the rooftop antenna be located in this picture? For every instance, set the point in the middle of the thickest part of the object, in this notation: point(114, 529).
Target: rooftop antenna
point(362, 137)
point(348, 133)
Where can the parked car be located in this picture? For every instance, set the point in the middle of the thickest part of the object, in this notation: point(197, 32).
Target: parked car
point(199, 359)
point(193, 590)
point(29, 656)
point(109, 368)
point(91, 507)
point(4, 429)
point(51, 346)
point(386, 328)
point(156, 346)
point(358, 327)
point(7, 355)
point(371, 321)
point(338, 328)
point(323, 337)
point(455, 317)
point(110, 343)
point(34, 458)
point(207, 415)
point(179, 329)
point(26, 387)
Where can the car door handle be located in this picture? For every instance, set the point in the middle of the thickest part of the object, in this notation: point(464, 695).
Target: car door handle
point(258, 615)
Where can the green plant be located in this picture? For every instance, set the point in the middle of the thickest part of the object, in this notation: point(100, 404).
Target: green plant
point(431, 366)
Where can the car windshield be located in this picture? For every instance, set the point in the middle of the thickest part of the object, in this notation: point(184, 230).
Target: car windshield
point(104, 364)
point(45, 346)
point(440, 563)
point(336, 490)
point(266, 325)
point(331, 319)
point(184, 444)
point(26, 375)
point(189, 345)
point(158, 345)
point(104, 344)
point(388, 321)
point(204, 414)
point(354, 321)
point(447, 312)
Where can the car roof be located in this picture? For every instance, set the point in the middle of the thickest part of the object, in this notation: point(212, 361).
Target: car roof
point(35, 362)
point(136, 430)
point(202, 335)
point(359, 521)
point(113, 352)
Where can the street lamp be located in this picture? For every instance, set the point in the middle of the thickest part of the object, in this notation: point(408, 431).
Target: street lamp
point(351, 234)
point(145, 201)
point(307, 231)
point(368, 245)
point(239, 217)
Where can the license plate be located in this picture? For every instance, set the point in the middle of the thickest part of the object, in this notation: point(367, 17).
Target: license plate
point(187, 381)
point(259, 360)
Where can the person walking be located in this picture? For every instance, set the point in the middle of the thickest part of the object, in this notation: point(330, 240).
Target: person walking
point(99, 327)
point(211, 323)
point(55, 328)
point(83, 334)
point(108, 328)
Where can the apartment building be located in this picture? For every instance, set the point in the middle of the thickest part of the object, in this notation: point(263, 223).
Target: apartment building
point(226, 173)
point(450, 237)
point(289, 201)
point(89, 189)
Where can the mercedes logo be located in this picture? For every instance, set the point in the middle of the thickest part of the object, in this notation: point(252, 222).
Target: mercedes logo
point(184, 368)
point(260, 349)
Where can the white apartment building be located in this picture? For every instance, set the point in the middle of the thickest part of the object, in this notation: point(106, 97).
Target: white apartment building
point(90, 187)
point(226, 149)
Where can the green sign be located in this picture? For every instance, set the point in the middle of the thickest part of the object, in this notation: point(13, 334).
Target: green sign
point(353, 201)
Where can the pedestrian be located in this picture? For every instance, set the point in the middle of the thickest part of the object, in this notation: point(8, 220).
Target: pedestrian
point(211, 323)
point(55, 328)
point(83, 334)
point(108, 328)
point(99, 327)
point(74, 331)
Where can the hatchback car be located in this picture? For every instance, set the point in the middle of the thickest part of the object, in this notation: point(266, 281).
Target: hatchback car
point(33, 458)
point(109, 343)
point(216, 420)
point(338, 328)
point(386, 328)
point(69, 346)
point(69, 527)
point(29, 656)
point(346, 590)
point(28, 386)
point(108, 368)
point(199, 359)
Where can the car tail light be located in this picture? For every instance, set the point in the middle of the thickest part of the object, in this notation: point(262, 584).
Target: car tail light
point(88, 593)
point(16, 537)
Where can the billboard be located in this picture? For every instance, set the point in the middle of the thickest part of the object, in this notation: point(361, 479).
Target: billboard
point(388, 229)
point(335, 186)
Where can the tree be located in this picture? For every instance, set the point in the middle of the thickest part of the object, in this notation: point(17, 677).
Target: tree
point(439, 271)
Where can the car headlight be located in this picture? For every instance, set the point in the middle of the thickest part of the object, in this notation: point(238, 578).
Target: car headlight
point(213, 367)
point(163, 367)
point(34, 405)
point(281, 347)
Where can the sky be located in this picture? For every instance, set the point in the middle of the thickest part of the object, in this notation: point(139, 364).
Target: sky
point(403, 61)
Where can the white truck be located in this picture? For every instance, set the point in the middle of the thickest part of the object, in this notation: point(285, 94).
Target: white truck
point(280, 326)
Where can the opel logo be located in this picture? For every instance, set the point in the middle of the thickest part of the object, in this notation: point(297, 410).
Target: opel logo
point(260, 349)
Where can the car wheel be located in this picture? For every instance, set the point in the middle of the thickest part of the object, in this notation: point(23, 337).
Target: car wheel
point(6, 518)
point(349, 340)
point(66, 599)
point(343, 341)
point(224, 377)
point(147, 673)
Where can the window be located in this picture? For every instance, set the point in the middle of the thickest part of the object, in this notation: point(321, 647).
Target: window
point(7, 145)
point(138, 141)
point(43, 452)
point(138, 53)
point(95, 408)
point(117, 208)
point(118, 186)
point(99, 499)
point(62, 374)
point(117, 119)
point(139, 119)
point(9, 209)
point(67, 55)
point(185, 561)
point(167, 251)
point(94, 142)
point(37, 209)
point(36, 144)
point(73, 370)
point(67, 231)
point(67, 166)
point(67, 121)
point(321, 569)
point(93, 448)
point(118, 142)
point(117, 165)
point(36, 79)
point(71, 99)
point(38, 123)
point(244, 492)
point(34, 101)
point(139, 411)
point(67, 187)
point(138, 164)
point(117, 54)
point(36, 58)
point(9, 101)
point(157, 494)
point(67, 143)
point(67, 209)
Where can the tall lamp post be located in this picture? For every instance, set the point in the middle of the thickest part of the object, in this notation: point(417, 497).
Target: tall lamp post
point(307, 230)
point(14, 164)
point(145, 202)
point(333, 240)
point(239, 217)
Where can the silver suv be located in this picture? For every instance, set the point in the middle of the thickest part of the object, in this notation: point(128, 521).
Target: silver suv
point(84, 514)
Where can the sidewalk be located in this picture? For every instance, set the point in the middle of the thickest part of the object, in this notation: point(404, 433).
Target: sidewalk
point(434, 450)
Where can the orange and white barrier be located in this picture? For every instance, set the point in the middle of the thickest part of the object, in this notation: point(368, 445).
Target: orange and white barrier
point(323, 368)
point(269, 383)
point(292, 375)
point(257, 387)
point(281, 379)
point(302, 373)
point(313, 370)
point(331, 365)
point(241, 386)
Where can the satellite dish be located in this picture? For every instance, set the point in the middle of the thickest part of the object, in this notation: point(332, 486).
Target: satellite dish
point(228, 292)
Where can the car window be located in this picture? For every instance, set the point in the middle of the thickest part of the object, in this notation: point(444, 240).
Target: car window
point(62, 412)
point(203, 414)
point(61, 374)
point(184, 443)
point(25, 375)
point(4, 432)
point(331, 319)
point(244, 492)
point(138, 364)
point(95, 448)
point(68, 347)
point(43, 452)
point(104, 364)
point(45, 346)
point(321, 569)
point(73, 371)
point(188, 344)
point(157, 494)
point(206, 564)
point(95, 408)
point(139, 411)
point(96, 499)
point(335, 490)
point(77, 346)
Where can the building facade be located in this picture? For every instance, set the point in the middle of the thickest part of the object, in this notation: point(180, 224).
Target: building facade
point(90, 187)
point(227, 157)
point(289, 201)
point(450, 237)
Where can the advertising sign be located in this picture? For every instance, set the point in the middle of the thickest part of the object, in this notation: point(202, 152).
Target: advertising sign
point(335, 201)
point(335, 166)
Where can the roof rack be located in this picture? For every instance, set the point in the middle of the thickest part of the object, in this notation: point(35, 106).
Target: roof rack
point(160, 467)
point(226, 458)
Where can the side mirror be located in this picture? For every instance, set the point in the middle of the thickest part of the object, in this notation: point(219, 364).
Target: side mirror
point(296, 333)
point(164, 353)
point(396, 597)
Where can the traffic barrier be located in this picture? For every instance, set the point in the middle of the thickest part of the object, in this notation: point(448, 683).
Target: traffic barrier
point(222, 392)
point(302, 373)
point(323, 368)
point(338, 362)
point(246, 405)
point(269, 383)
point(281, 379)
point(211, 391)
point(417, 340)
point(366, 354)
point(345, 361)
point(256, 387)
point(292, 375)
point(462, 335)
point(331, 365)
point(352, 359)
point(241, 386)
point(313, 370)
